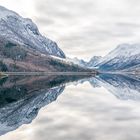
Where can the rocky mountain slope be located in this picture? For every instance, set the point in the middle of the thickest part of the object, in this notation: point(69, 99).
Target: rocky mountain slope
point(123, 57)
point(91, 64)
point(23, 48)
point(134, 70)
point(22, 31)
point(93, 61)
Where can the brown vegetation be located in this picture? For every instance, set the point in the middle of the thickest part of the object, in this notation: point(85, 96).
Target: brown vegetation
point(14, 57)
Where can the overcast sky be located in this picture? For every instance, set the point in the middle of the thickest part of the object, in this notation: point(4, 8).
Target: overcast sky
point(83, 28)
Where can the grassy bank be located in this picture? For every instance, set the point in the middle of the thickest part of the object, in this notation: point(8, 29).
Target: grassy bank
point(2, 75)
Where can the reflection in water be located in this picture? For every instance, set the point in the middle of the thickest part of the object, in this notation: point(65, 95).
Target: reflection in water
point(22, 97)
point(123, 87)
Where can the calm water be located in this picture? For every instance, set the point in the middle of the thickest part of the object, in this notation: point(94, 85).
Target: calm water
point(104, 107)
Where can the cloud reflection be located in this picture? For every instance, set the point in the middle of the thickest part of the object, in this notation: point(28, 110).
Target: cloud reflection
point(84, 112)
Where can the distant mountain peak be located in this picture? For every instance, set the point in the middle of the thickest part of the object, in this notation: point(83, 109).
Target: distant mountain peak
point(94, 61)
point(125, 50)
point(122, 57)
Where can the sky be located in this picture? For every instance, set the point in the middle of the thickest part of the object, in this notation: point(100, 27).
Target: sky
point(83, 28)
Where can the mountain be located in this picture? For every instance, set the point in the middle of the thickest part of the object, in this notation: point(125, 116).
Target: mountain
point(77, 61)
point(91, 64)
point(22, 31)
point(123, 57)
point(23, 48)
point(94, 61)
point(133, 70)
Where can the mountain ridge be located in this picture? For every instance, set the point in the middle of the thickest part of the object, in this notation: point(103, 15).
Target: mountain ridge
point(24, 32)
point(124, 58)
point(23, 48)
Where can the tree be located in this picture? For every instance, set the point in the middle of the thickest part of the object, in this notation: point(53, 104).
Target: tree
point(3, 67)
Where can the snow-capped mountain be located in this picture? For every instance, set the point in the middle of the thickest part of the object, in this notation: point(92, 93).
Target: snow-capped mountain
point(77, 61)
point(124, 56)
point(22, 31)
point(94, 61)
point(134, 70)
point(23, 48)
point(91, 64)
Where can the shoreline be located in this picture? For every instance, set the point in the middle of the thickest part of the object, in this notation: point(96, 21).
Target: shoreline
point(45, 73)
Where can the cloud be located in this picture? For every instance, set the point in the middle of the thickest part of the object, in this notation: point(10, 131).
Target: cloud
point(87, 28)
point(83, 28)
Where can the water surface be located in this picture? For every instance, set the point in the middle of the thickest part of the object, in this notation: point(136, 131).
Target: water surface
point(104, 107)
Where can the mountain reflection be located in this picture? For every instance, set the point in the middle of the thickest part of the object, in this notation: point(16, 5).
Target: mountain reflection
point(124, 87)
point(21, 97)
